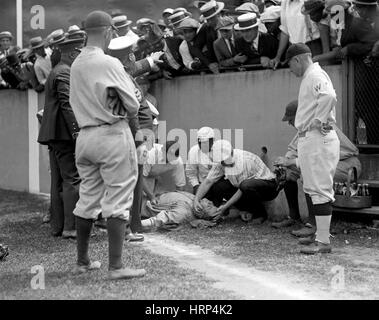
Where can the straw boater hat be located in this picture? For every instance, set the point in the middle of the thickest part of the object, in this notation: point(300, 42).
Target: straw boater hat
point(6, 34)
point(36, 43)
point(177, 18)
point(211, 9)
point(189, 24)
point(121, 21)
point(74, 32)
point(366, 2)
point(144, 22)
point(225, 23)
point(247, 21)
point(181, 9)
point(56, 36)
point(168, 11)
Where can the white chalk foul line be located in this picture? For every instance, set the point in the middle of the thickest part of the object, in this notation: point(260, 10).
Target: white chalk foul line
point(231, 275)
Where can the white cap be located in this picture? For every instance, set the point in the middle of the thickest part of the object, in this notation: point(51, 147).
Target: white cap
point(121, 43)
point(222, 150)
point(205, 134)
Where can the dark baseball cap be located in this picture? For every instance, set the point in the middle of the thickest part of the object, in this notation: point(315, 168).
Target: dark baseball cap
point(290, 111)
point(296, 49)
point(98, 19)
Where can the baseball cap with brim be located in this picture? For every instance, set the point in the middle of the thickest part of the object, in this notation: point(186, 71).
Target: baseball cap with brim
point(295, 50)
point(122, 43)
point(98, 19)
point(205, 133)
point(36, 43)
point(247, 21)
point(211, 9)
point(291, 109)
point(6, 34)
point(121, 21)
point(221, 151)
point(189, 23)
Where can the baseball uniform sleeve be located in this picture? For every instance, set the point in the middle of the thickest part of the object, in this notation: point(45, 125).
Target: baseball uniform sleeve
point(124, 86)
point(180, 177)
point(292, 148)
point(326, 98)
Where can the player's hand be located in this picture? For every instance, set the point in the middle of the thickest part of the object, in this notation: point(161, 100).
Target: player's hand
point(280, 162)
point(197, 205)
point(221, 210)
point(274, 63)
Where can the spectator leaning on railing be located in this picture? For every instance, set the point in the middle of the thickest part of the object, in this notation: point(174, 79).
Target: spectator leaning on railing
point(255, 47)
point(6, 47)
point(296, 28)
point(42, 65)
point(271, 19)
point(224, 47)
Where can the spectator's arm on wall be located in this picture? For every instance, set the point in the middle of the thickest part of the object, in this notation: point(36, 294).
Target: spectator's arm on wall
point(40, 75)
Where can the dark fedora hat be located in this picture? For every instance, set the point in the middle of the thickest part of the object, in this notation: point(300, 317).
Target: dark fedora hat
point(36, 43)
point(291, 110)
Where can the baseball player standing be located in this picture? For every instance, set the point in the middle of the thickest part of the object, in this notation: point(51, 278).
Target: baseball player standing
point(318, 145)
point(105, 152)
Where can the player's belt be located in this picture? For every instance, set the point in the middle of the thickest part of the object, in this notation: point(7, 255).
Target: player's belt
point(303, 134)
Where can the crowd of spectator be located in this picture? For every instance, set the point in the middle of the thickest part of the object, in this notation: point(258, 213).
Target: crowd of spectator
point(252, 35)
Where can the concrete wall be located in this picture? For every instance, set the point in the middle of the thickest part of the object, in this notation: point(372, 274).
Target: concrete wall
point(14, 148)
point(253, 101)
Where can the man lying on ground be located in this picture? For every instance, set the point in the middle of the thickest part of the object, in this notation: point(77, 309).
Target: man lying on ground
point(175, 208)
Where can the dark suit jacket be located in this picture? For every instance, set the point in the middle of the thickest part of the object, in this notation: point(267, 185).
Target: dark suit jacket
point(205, 38)
point(58, 121)
point(267, 47)
point(173, 44)
point(223, 54)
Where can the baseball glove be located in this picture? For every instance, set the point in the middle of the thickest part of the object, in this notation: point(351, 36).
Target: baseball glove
point(4, 252)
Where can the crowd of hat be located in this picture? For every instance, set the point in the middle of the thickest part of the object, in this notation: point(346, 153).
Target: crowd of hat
point(265, 16)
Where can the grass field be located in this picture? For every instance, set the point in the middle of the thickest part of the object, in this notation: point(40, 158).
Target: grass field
point(261, 247)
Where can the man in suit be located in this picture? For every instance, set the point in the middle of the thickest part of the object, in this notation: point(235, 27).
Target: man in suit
point(258, 48)
point(6, 47)
point(224, 46)
point(59, 129)
point(207, 33)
